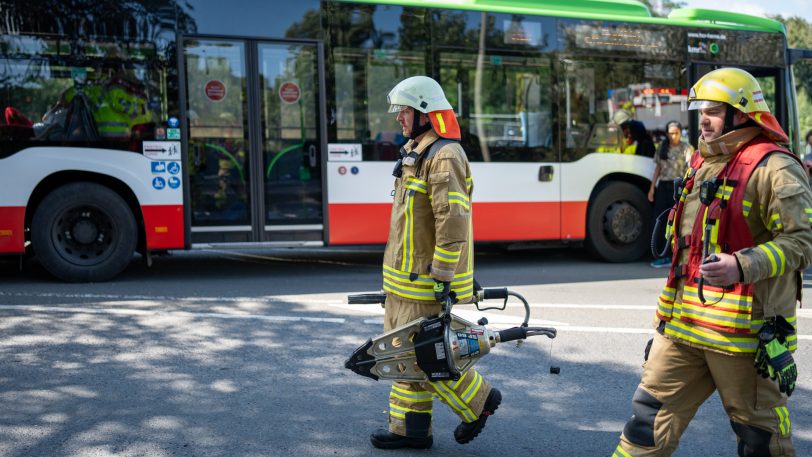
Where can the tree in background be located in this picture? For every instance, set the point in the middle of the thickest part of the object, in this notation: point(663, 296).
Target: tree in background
point(799, 35)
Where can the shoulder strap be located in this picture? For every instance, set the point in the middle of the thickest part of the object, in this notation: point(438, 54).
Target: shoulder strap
point(432, 150)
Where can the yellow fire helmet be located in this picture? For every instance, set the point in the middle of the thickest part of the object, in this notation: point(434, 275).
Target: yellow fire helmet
point(740, 90)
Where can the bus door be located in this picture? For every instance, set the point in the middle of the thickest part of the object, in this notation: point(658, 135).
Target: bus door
point(773, 87)
point(254, 141)
point(504, 103)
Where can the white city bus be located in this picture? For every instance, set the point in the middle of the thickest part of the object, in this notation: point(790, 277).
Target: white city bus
point(127, 128)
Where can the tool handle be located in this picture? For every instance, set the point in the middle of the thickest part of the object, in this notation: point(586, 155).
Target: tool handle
point(495, 293)
point(513, 333)
point(366, 299)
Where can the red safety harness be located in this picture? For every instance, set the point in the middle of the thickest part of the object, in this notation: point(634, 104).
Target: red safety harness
point(726, 309)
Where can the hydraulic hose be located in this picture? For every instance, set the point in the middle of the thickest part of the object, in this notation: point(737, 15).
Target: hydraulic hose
point(657, 253)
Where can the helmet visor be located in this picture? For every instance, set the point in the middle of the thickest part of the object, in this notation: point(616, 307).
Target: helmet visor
point(397, 108)
point(703, 104)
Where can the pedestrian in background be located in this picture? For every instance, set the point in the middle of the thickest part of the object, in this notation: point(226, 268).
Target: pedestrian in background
point(671, 162)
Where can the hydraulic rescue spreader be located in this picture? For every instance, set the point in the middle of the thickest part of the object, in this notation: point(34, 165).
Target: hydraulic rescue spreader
point(438, 348)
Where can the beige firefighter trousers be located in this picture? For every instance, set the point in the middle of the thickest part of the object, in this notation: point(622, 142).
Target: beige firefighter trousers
point(682, 377)
point(466, 396)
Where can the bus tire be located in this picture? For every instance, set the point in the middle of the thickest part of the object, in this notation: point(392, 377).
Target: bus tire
point(619, 223)
point(84, 232)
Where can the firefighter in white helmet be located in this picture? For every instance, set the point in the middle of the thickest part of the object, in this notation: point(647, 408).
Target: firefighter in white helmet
point(740, 235)
point(429, 259)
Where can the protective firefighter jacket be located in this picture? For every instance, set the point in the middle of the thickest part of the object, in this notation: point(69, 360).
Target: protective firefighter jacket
point(430, 232)
point(775, 207)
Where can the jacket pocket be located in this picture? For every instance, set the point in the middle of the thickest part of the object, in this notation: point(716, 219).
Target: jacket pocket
point(438, 183)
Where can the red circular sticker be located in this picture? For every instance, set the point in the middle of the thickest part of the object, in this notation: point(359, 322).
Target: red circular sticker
point(215, 90)
point(289, 92)
point(342, 170)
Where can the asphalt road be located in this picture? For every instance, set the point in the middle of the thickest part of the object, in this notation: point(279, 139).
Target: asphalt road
point(241, 354)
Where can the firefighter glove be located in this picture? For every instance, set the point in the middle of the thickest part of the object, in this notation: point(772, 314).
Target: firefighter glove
point(773, 359)
point(443, 292)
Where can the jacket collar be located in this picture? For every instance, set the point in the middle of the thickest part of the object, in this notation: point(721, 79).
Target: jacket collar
point(426, 140)
point(726, 146)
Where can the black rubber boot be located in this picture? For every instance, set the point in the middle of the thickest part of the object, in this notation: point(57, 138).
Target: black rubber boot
point(384, 439)
point(467, 431)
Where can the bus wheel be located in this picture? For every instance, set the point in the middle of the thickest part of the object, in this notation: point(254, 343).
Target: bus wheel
point(83, 232)
point(619, 223)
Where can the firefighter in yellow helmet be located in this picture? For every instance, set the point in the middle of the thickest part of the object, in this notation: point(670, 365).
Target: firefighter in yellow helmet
point(740, 236)
point(429, 259)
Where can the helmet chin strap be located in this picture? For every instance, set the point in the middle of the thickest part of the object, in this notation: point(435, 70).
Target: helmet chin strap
point(729, 116)
point(730, 112)
point(417, 128)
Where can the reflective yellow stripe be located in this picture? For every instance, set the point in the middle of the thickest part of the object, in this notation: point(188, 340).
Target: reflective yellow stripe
point(744, 344)
point(783, 420)
point(619, 452)
point(454, 401)
point(775, 221)
point(459, 199)
point(459, 381)
point(778, 261)
point(412, 186)
point(473, 388)
point(446, 251)
point(441, 122)
point(724, 192)
point(400, 411)
point(665, 302)
point(409, 399)
point(808, 212)
point(408, 235)
point(418, 289)
point(417, 185)
point(418, 396)
point(446, 256)
point(746, 207)
point(424, 278)
point(460, 195)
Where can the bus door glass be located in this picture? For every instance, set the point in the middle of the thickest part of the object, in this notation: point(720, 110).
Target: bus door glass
point(218, 147)
point(254, 143)
point(289, 114)
point(504, 104)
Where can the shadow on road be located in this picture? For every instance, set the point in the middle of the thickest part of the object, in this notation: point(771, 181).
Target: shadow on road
point(100, 385)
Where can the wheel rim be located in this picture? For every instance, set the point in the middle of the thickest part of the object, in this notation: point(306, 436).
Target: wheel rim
point(622, 223)
point(84, 235)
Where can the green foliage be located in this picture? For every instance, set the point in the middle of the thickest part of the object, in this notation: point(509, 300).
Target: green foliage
point(799, 35)
point(804, 111)
point(663, 7)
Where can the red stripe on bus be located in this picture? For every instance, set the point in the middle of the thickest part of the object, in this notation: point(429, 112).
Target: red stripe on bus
point(573, 220)
point(164, 226)
point(512, 221)
point(12, 221)
point(368, 223)
point(359, 223)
